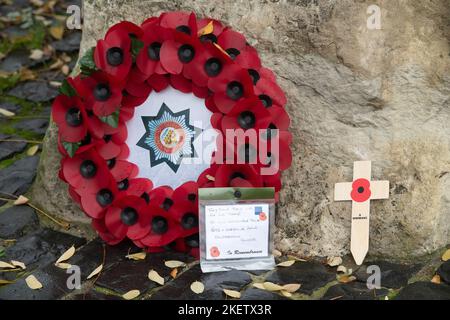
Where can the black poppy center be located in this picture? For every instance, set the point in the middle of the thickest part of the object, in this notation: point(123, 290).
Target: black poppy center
point(249, 153)
point(213, 66)
point(189, 221)
point(192, 196)
point(233, 53)
point(186, 53)
point(114, 56)
point(159, 225)
point(246, 120)
point(153, 51)
point(360, 189)
point(192, 241)
point(104, 197)
point(167, 204)
point(111, 163)
point(208, 37)
point(129, 216)
point(123, 185)
point(254, 75)
point(73, 117)
point(271, 131)
point(235, 90)
point(102, 92)
point(88, 169)
point(266, 100)
point(146, 197)
point(185, 29)
point(235, 175)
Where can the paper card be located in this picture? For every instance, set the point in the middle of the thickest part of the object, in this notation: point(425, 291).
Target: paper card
point(236, 231)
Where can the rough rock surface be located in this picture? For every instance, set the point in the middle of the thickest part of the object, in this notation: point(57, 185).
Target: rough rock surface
point(354, 94)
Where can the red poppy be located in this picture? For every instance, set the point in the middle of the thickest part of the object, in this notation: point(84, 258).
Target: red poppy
point(127, 27)
point(103, 232)
point(183, 22)
point(122, 169)
point(238, 175)
point(185, 213)
point(206, 178)
point(186, 192)
point(95, 202)
point(270, 93)
point(113, 55)
point(158, 82)
point(136, 84)
point(218, 28)
point(113, 143)
point(70, 117)
point(129, 217)
point(232, 42)
point(85, 144)
point(361, 190)
point(161, 197)
point(163, 228)
point(247, 114)
point(214, 252)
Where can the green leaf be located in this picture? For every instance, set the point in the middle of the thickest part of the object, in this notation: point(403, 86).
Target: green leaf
point(71, 147)
point(67, 89)
point(112, 120)
point(87, 63)
point(136, 46)
point(2, 252)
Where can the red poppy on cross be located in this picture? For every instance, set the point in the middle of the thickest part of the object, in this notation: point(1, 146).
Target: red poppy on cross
point(361, 191)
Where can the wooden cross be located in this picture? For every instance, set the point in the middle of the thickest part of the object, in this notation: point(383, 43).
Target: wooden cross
point(360, 192)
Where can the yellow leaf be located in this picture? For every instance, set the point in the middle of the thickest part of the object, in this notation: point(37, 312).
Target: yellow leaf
point(137, 256)
point(259, 286)
point(57, 31)
point(130, 295)
point(291, 287)
point(287, 263)
point(232, 293)
point(63, 265)
point(209, 28)
point(65, 69)
point(19, 264)
point(21, 200)
point(32, 150)
point(286, 293)
point(436, 279)
point(197, 287)
point(291, 257)
point(174, 273)
point(334, 261)
point(6, 113)
point(346, 278)
point(270, 286)
point(446, 255)
point(174, 264)
point(342, 269)
point(5, 265)
point(2, 282)
point(27, 74)
point(66, 255)
point(33, 283)
point(96, 271)
point(154, 276)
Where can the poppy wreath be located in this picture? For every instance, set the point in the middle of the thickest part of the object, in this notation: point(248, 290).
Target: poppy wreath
point(198, 56)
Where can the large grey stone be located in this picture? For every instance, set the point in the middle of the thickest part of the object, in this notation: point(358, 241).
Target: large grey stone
point(354, 93)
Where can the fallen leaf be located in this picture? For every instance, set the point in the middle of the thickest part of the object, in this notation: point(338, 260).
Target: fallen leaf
point(32, 150)
point(291, 287)
point(65, 69)
point(137, 256)
point(19, 264)
point(21, 200)
point(36, 54)
point(63, 265)
point(2, 282)
point(342, 269)
point(55, 84)
point(57, 64)
point(5, 265)
point(27, 74)
point(259, 286)
point(57, 31)
point(66, 255)
point(346, 278)
point(6, 113)
point(174, 273)
point(334, 261)
point(209, 28)
point(232, 293)
point(436, 279)
point(270, 286)
point(446, 255)
point(286, 293)
point(33, 283)
point(174, 264)
point(287, 263)
point(197, 287)
point(132, 294)
point(386, 298)
point(154, 276)
point(276, 253)
point(96, 271)
point(291, 257)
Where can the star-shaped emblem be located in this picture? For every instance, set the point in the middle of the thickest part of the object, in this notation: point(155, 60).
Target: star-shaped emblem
point(169, 137)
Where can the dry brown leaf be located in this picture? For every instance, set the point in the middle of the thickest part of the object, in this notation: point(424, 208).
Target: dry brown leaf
point(2, 282)
point(19, 264)
point(36, 54)
point(57, 31)
point(57, 64)
point(259, 286)
point(66, 255)
point(65, 69)
point(21, 200)
point(27, 74)
point(232, 293)
point(6, 113)
point(132, 294)
point(446, 255)
point(270, 286)
point(334, 261)
point(276, 253)
point(174, 264)
point(154, 276)
point(291, 287)
point(174, 273)
point(346, 278)
point(291, 257)
point(137, 256)
point(96, 271)
point(287, 263)
point(37, 3)
point(286, 293)
point(5, 265)
point(32, 150)
point(197, 287)
point(436, 279)
point(63, 265)
point(33, 283)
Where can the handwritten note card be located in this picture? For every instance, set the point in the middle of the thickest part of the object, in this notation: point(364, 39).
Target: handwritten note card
point(237, 231)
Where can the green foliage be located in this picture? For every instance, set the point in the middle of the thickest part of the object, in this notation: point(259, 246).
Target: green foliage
point(9, 81)
point(87, 64)
point(71, 147)
point(136, 46)
point(112, 120)
point(67, 89)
